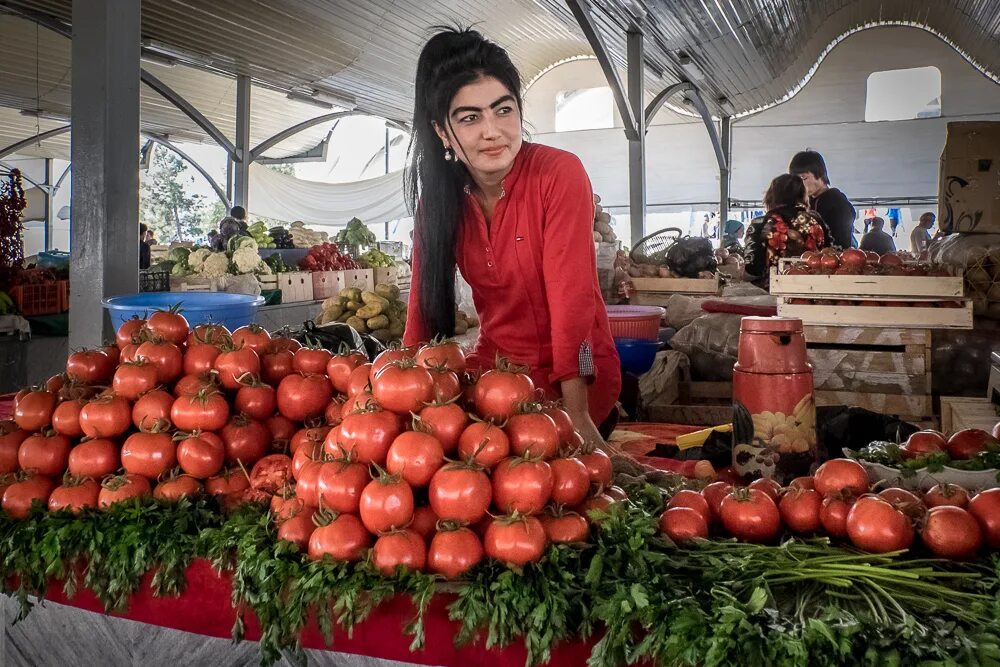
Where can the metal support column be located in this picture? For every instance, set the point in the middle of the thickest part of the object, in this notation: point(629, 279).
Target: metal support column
point(49, 194)
point(725, 171)
point(241, 164)
point(104, 232)
point(637, 143)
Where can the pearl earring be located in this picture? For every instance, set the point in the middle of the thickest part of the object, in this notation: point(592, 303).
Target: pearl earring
point(449, 154)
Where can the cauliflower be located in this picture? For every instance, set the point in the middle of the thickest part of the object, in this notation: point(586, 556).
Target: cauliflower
point(246, 259)
point(215, 265)
point(196, 259)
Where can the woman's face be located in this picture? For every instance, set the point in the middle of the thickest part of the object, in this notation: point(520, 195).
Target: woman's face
point(813, 184)
point(483, 127)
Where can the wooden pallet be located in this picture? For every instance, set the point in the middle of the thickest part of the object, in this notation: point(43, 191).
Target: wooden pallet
point(922, 317)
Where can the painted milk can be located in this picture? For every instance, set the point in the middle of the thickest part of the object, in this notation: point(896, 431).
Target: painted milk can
point(774, 409)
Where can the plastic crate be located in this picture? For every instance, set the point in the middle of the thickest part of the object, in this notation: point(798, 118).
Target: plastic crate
point(154, 281)
point(41, 299)
point(639, 322)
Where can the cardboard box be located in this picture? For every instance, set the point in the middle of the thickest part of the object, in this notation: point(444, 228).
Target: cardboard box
point(969, 180)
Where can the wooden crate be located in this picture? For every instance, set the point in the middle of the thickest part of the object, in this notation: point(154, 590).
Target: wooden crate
point(326, 284)
point(295, 286)
point(856, 287)
point(707, 286)
point(959, 413)
point(363, 279)
point(386, 276)
point(922, 317)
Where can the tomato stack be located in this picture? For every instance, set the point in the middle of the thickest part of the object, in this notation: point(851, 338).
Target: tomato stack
point(408, 455)
point(837, 502)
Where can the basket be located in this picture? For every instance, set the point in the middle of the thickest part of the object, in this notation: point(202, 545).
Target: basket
point(40, 299)
point(639, 322)
point(154, 281)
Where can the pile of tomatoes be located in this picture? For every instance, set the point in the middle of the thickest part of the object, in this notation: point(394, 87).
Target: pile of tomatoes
point(837, 501)
point(408, 455)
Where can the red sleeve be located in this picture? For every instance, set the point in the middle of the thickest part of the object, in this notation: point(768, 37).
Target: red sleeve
point(415, 333)
point(569, 264)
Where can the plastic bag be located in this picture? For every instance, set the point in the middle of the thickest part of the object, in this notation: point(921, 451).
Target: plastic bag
point(690, 256)
point(658, 386)
point(978, 256)
point(245, 284)
point(713, 333)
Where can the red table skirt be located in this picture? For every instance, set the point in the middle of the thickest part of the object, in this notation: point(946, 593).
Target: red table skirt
point(205, 608)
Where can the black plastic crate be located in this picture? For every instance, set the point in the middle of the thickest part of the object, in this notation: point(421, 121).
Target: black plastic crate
point(154, 281)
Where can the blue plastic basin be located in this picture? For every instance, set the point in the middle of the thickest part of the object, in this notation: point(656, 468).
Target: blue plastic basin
point(636, 354)
point(231, 310)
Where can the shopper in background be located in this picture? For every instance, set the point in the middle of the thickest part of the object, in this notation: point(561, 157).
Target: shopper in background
point(145, 237)
point(234, 224)
point(831, 204)
point(877, 240)
point(788, 229)
point(920, 237)
point(732, 238)
point(516, 219)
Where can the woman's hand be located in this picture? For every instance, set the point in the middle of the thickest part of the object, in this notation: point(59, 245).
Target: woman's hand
point(574, 392)
point(587, 429)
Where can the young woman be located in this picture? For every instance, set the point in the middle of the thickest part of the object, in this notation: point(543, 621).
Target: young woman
point(516, 219)
point(788, 229)
point(831, 204)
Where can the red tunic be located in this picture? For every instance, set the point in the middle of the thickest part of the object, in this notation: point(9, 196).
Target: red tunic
point(533, 275)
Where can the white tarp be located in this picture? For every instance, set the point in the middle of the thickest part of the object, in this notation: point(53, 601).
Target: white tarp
point(283, 197)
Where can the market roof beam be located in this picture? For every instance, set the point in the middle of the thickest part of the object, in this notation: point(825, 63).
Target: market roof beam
point(268, 144)
point(163, 141)
point(199, 118)
point(41, 136)
point(654, 107)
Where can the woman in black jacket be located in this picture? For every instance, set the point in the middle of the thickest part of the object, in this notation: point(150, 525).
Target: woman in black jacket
point(788, 229)
point(831, 204)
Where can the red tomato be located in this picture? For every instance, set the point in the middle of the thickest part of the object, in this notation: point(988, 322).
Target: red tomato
point(522, 486)
point(714, 493)
point(368, 435)
point(389, 356)
point(682, 524)
point(254, 337)
point(127, 355)
point(452, 553)
point(134, 378)
point(968, 442)
point(276, 366)
point(200, 359)
point(403, 387)
point(302, 397)
point(307, 482)
point(694, 500)
point(271, 473)
point(447, 386)
point(282, 342)
point(415, 457)
point(768, 486)
point(75, 495)
point(340, 484)
point(166, 357)
point(234, 363)
point(169, 325)
point(565, 528)
point(515, 542)
point(311, 360)
point(340, 367)
point(122, 488)
point(55, 383)
point(401, 548)
point(946, 494)
point(802, 483)
point(46, 453)
point(11, 438)
point(204, 411)
point(334, 412)
point(90, 366)
point(299, 528)
point(424, 521)
point(570, 481)
point(207, 335)
point(344, 538)
point(175, 488)
point(308, 451)
point(282, 428)
point(227, 483)
point(246, 440)
point(386, 504)
point(951, 532)
point(838, 474)
point(564, 425)
point(498, 393)
point(286, 505)
point(128, 329)
point(189, 385)
point(359, 380)
point(876, 526)
point(800, 509)
point(151, 408)
point(900, 498)
point(750, 515)
point(200, 457)
point(460, 493)
point(598, 503)
point(833, 516)
point(149, 454)
point(93, 458)
point(19, 496)
point(534, 434)
point(66, 418)
point(33, 411)
point(598, 467)
point(923, 443)
point(985, 507)
point(106, 416)
point(485, 443)
point(444, 354)
point(313, 436)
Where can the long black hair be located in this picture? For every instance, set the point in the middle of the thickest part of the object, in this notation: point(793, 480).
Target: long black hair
point(435, 187)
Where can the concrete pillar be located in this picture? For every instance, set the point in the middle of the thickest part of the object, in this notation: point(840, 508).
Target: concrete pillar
point(725, 171)
point(241, 166)
point(105, 153)
point(637, 146)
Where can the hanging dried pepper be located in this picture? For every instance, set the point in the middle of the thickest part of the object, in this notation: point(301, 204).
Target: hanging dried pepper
point(12, 203)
